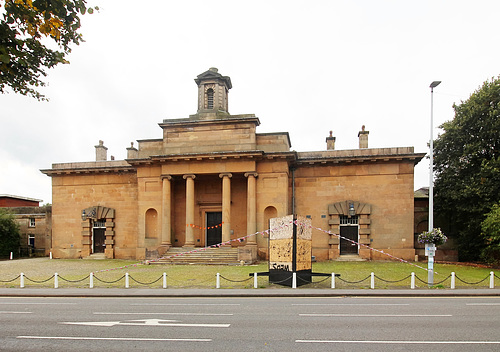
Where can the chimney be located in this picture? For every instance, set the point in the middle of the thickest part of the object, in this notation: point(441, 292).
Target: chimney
point(363, 138)
point(132, 153)
point(101, 152)
point(330, 142)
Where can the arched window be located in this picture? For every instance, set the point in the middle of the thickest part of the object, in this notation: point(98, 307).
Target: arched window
point(210, 98)
point(151, 223)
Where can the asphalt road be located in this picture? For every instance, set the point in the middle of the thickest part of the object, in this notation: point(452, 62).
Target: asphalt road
point(250, 324)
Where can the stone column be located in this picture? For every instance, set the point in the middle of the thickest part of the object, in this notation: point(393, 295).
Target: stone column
point(251, 207)
point(226, 206)
point(166, 221)
point(189, 242)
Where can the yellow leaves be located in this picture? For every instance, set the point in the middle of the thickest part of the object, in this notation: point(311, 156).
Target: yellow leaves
point(51, 27)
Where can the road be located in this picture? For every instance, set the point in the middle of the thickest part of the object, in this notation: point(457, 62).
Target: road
point(250, 324)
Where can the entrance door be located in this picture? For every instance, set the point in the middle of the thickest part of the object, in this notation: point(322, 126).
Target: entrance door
point(347, 247)
point(99, 240)
point(214, 234)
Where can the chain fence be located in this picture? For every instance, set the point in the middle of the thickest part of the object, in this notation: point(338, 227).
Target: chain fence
point(375, 280)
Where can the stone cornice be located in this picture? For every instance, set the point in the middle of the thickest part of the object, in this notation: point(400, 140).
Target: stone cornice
point(117, 166)
point(359, 156)
point(189, 122)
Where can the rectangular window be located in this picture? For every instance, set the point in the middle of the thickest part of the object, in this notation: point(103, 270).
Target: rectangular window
point(31, 222)
point(31, 241)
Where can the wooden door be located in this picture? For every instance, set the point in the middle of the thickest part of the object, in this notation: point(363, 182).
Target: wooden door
point(351, 233)
point(214, 234)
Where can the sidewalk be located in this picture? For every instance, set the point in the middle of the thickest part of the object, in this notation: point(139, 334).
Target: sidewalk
point(275, 292)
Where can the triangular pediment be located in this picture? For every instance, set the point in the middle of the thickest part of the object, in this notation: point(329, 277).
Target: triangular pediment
point(213, 74)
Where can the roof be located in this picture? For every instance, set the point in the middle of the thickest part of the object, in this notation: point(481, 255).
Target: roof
point(20, 198)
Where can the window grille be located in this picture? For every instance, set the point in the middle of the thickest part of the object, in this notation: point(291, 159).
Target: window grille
point(346, 220)
point(99, 224)
point(210, 98)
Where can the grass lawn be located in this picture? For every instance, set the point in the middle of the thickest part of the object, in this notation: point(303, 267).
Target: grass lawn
point(110, 273)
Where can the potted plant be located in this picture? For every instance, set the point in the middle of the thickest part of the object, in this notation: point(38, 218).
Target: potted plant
point(436, 237)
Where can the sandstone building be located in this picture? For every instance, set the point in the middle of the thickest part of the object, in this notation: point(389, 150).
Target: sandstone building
point(211, 179)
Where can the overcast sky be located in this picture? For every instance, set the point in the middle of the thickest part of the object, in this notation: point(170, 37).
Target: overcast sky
point(303, 67)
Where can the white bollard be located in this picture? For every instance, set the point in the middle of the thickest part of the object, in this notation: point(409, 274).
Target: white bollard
point(50, 255)
point(412, 283)
point(22, 280)
point(11, 255)
point(372, 281)
point(333, 280)
point(217, 282)
point(294, 280)
point(91, 283)
point(254, 280)
point(492, 279)
point(127, 282)
point(452, 286)
point(56, 281)
point(164, 280)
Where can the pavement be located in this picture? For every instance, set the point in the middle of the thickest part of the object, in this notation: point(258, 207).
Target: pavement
point(259, 292)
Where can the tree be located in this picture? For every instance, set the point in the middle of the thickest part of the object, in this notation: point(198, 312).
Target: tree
point(9, 234)
point(24, 49)
point(467, 164)
point(491, 231)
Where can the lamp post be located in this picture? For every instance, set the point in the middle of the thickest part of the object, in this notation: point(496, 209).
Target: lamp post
point(431, 248)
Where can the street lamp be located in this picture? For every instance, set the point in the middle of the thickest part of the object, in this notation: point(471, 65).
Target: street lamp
point(430, 262)
point(431, 155)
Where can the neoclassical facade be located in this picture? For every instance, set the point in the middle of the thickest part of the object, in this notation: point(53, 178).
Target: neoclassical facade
point(212, 179)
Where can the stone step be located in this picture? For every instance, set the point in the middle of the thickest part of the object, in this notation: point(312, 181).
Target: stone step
point(350, 258)
point(207, 256)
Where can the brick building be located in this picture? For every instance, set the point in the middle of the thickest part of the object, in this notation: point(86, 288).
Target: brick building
point(35, 224)
point(212, 178)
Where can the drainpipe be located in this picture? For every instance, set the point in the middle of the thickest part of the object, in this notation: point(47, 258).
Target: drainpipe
point(293, 190)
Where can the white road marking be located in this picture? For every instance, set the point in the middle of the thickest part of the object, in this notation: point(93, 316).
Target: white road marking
point(170, 313)
point(16, 312)
point(146, 322)
point(483, 304)
point(377, 315)
point(352, 304)
point(110, 338)
point(185, 304)
point(34, 303)
point(401, 342)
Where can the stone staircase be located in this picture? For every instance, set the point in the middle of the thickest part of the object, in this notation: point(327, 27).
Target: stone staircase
point(350, 258)
point(179, 255)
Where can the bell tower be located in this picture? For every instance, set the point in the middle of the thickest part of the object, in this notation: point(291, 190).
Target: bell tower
point(212, 95)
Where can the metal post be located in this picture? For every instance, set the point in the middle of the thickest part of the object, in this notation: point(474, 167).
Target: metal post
point(22, 280)
point(294, 280)
point(56, 281)
point(452, 280)
point(372, 281)
point(412, 281)
point(492, 279)
point(91, 283)
point(127, 283)
point(254, 280)
point(164, 280)
point(333, 280)
point(217, 283)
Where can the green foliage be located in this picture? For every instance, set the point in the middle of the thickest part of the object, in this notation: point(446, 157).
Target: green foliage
point(491, 231)
point(9, 234)
point(467, 164)
point(24, 54)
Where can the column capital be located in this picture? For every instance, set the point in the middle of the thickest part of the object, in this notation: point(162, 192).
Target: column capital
point(166, 177)
point(228, 174)
point(191, 176)
point(254, 174)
